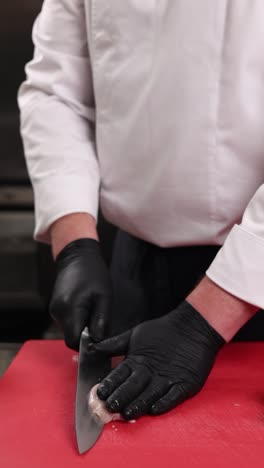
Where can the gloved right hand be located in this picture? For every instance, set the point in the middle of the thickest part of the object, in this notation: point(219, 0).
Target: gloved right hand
point(167, 361)
point(82, 293)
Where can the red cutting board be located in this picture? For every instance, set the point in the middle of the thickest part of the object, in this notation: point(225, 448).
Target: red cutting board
point(222, 427)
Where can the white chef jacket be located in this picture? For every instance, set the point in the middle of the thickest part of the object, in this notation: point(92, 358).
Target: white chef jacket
point(155, 110)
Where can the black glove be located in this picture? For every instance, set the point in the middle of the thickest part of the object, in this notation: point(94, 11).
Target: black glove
point(167, 361)
point(82, 293)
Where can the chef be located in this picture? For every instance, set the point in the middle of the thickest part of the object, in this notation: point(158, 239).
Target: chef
point(154, 111)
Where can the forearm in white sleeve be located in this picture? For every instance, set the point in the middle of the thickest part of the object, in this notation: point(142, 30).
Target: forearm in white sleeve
point(57, 117)
point(239, 265)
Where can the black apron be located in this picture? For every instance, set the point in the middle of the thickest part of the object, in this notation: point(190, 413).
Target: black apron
point(150, 281)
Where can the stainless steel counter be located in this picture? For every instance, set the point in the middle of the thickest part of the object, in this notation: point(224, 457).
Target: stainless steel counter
point(7, 353)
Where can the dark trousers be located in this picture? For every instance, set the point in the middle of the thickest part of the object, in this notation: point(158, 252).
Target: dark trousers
point(150, 281)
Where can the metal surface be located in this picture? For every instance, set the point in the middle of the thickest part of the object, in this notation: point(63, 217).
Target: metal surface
point(16, 197)
point(7, 353)
point(91, 370)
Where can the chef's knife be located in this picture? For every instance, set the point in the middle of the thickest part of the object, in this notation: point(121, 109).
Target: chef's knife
point(92, 369)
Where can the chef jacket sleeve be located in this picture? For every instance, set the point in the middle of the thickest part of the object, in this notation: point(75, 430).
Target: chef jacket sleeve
point(57, 117)
point(239, 265)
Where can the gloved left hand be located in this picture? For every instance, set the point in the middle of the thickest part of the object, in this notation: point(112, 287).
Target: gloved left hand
point(167, 361)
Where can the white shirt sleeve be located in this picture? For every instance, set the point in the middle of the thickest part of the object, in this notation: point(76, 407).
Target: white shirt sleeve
point(239, 265)
point(57, 117)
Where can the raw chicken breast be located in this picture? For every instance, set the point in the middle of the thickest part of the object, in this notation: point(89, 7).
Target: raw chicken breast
point(98, 407)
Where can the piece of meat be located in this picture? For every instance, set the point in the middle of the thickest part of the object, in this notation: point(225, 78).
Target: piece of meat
point(98, 407)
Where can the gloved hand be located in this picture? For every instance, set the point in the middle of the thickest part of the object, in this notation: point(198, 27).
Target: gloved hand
point(82, 293)
point(167, 361)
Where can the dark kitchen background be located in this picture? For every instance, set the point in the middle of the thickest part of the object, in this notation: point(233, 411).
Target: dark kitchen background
point(26, 268)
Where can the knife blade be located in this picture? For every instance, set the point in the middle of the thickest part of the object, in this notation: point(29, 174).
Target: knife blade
point(92, 368)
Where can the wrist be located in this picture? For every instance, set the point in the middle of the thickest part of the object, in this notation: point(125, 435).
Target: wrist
point(70, 228)
point(223, 311)
point(192, 318)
